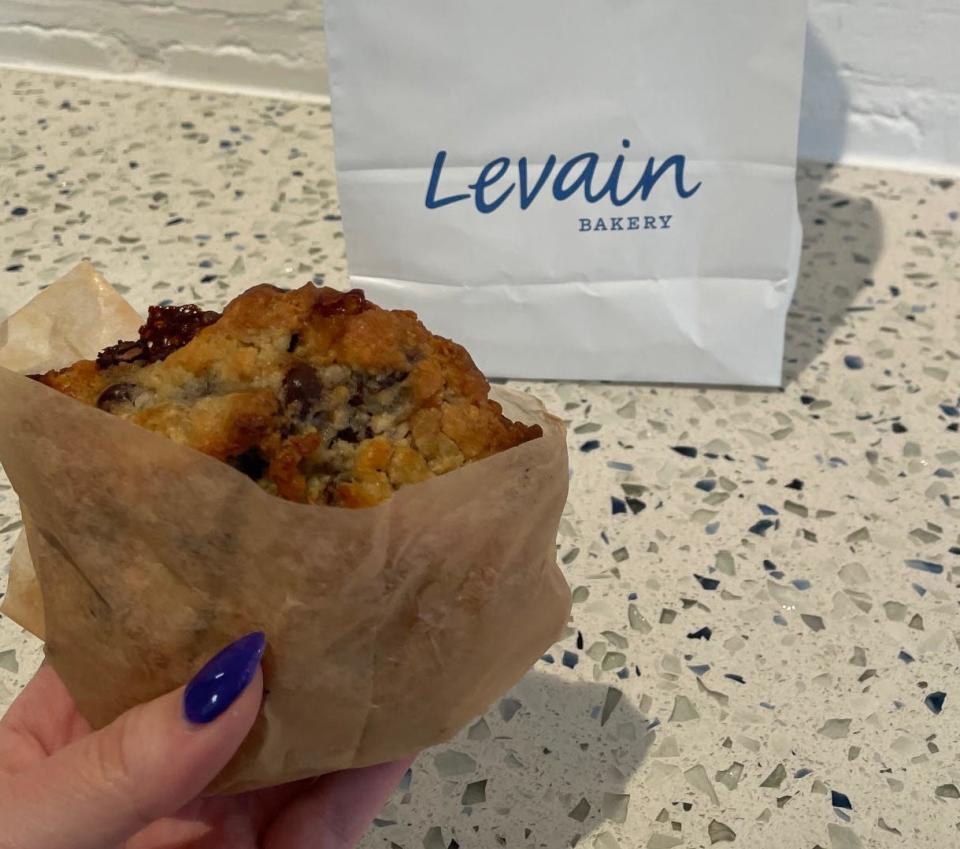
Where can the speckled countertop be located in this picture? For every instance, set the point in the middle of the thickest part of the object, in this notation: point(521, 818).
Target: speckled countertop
point(765, 640)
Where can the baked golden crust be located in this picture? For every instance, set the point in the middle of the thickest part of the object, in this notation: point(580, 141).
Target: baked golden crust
point(320, 396)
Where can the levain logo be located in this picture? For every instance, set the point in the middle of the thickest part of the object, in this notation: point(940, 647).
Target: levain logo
point(581, 175)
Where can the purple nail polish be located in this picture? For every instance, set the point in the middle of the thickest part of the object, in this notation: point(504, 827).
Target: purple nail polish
point(224, 677)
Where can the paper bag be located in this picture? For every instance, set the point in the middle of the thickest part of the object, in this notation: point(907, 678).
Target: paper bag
point(388, 628)
point(599, 190)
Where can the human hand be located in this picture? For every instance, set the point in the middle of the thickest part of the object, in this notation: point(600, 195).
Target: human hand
point(137, 783)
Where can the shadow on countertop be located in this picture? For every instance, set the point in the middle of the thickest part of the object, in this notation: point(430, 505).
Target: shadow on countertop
point(842, 234)
point(554, 759)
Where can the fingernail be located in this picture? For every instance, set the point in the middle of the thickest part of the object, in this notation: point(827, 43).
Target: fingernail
point(221, 681)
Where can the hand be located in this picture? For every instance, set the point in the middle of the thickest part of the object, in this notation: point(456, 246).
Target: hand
point(137, 783)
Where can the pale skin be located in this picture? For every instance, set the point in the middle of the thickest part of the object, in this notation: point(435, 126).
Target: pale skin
point(137, 784)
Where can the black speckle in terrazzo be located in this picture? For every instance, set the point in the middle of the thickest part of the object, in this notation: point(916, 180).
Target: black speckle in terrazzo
point(705, 633)
point(760, 528)
point(796, 484)
point(590, 445)
point(853, 362)
point(935, 701)
point(686, 451)
point(636, 505)
point(707, 583)
point(734, 677)
point(706, 485)
point(840, 800)
point(898, 427)
point(19, 211)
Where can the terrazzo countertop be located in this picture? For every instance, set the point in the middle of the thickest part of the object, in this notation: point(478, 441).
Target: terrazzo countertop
point(764, 641)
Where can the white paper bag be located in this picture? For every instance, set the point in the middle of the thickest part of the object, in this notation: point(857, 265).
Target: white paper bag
point(579, 190)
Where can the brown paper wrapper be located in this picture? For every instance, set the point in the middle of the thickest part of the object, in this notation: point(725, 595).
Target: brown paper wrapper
point(388, 628)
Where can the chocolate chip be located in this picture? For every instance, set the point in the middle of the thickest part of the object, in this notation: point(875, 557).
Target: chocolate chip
point(294, 342)
point(302, 387)
point(348, 434)
point(379, 382)
point(119, 393)
point(251, 462)
point(356, 400)
point(122, 352)
point(167, 329)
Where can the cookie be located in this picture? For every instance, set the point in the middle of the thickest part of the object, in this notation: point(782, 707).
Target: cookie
point(318, 395)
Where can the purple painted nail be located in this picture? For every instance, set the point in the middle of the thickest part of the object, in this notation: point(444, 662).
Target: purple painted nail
point(224, 677)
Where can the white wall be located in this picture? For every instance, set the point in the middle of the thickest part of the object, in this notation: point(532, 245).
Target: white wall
point(883, 76)
point(883, 83)
point(273, 46)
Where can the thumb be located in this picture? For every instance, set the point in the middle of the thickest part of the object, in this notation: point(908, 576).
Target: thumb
point(147, 764)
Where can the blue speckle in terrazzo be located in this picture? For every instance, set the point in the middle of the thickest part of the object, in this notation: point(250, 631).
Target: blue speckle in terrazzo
point(926, 566)
point(760, 528)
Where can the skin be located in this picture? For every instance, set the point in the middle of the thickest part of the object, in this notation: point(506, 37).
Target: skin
point(137, 783)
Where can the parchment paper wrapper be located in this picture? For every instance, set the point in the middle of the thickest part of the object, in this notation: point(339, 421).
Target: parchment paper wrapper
point(388, 628)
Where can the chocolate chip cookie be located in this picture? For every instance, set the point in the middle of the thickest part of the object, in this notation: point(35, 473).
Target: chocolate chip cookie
point(318, 395)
